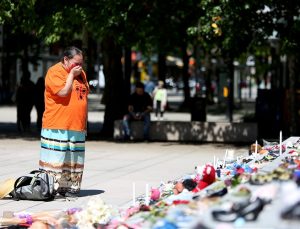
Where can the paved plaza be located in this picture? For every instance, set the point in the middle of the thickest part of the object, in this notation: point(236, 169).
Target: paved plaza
point(111, 168)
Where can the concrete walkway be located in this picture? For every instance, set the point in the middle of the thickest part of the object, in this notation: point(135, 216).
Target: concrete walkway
point(110, 167)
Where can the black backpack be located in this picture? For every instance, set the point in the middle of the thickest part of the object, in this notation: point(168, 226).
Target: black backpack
point(37, 185)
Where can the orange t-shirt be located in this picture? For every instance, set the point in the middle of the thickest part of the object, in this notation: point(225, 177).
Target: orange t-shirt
point(65, 113)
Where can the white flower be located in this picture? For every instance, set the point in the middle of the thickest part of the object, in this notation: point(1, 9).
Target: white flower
point(96, 211)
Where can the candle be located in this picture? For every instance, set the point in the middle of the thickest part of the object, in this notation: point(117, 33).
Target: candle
point(133, 194)
point(280, 142)
point(147, 195)
point(224, 162)
point(255, 147)
point(230, 154)
point(215, 161)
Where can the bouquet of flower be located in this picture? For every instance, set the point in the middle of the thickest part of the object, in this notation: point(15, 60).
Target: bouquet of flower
point(95, 213)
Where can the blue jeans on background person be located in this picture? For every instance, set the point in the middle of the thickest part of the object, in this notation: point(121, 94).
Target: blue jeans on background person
point(129, 118)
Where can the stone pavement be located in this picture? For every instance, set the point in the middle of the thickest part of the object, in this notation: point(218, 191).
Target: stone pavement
point(110, 168)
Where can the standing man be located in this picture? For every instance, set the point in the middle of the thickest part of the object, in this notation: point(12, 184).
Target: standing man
point(139, 108)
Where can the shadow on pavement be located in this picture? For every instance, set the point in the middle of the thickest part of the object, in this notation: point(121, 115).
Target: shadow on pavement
point(10, 130)
point(91, 192)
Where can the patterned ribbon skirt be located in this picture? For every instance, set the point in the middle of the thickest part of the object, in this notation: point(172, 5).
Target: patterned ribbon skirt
point(62, 155)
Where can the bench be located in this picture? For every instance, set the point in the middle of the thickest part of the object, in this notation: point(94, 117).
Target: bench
point(226, 132)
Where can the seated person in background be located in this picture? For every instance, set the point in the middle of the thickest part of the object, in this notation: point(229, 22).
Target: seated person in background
point(139, 108)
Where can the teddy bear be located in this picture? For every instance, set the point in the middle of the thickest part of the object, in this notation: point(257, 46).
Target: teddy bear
point(205, 175)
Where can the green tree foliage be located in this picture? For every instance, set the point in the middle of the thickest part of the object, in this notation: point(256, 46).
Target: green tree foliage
point(229, 27)
point(236, 26)
point(6, 9)
point(18, 20)
point(232, 28)
point(150, 26)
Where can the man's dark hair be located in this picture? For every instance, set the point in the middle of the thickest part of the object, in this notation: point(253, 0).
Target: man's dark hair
point(139, 85)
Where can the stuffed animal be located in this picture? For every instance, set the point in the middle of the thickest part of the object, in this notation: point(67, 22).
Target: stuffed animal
point(155, 194)
point(206, 175)
point(253, 148)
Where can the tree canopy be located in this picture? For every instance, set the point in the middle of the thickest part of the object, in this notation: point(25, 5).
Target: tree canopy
point(225, 28)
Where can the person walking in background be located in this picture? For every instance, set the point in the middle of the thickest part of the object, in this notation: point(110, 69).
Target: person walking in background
point(25, 100)
point(64, 122)
point(159, 100)
point(139, 108)
point(39, 101)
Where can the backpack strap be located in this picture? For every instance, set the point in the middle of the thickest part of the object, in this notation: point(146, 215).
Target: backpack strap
point(48, 184)
point(17, 184)
point(36, 171)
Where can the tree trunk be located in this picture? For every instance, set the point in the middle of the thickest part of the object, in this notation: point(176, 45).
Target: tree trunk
point(185, 76)
point(127, 72)
point(89, 47)
point(208, 77)
point(5, 85)
point(162, 66)
point(114, 93)
point(293, 127)
point(230, 83)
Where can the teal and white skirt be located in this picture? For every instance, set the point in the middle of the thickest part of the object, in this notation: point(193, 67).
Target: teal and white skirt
point(62, 155)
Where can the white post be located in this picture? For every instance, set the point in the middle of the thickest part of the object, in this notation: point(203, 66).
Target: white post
point(224, 162)
point(280, 142)
point(215, 161)
point(256, 148)
point(147, 195)
point(133, 194)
